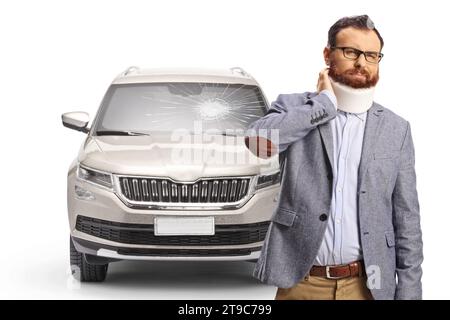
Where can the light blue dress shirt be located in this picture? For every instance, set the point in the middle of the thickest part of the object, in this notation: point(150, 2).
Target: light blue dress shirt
point(341, 243)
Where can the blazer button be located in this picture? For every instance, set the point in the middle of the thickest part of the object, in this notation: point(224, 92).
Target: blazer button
point(323, 217)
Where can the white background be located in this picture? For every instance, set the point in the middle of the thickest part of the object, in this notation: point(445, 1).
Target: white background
point(59, 56)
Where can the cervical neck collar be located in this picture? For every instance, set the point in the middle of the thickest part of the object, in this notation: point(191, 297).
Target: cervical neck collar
point(352, 100)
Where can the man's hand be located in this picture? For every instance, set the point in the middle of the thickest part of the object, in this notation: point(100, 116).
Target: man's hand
point(261, 147)
point(323, 83)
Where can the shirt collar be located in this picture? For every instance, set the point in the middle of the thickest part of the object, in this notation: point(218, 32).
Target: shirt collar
point(361, 116)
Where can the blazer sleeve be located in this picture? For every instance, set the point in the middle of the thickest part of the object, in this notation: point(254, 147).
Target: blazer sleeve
point(406, 218)
point(291, 117)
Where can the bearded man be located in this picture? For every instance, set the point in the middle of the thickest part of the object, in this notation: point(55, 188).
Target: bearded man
point(347, 223)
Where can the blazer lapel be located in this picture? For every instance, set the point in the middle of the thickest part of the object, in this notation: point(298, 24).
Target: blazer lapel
point(373, 121)
point(327, 138)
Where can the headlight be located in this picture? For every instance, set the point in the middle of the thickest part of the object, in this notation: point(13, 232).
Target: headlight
point(267, 180)
point(96, 177)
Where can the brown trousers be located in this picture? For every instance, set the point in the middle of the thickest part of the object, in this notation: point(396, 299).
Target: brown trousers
point(319, 288)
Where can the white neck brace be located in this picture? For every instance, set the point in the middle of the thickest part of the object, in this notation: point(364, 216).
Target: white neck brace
point(352, 100)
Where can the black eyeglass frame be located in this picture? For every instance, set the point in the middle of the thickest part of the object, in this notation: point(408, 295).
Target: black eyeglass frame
point(380, 55)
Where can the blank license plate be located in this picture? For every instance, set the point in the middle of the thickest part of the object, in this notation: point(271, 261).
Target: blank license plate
point(166, 226)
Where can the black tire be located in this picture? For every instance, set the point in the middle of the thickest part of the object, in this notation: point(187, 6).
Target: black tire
point(84, 271)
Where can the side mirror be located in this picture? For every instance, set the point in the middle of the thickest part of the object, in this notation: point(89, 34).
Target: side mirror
point(77, 120)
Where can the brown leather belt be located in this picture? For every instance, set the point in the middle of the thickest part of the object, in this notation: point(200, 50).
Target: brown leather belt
point(339, 272)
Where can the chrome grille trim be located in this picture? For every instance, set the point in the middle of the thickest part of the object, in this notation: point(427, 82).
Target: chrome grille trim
point(165, 193)
point(234, 184)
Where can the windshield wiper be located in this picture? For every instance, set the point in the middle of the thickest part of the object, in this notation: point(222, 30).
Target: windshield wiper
point(119, 133)
point(222, 133)
point(229, 134)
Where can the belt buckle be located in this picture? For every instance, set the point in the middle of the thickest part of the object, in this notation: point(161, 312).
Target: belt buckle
point(328, 276)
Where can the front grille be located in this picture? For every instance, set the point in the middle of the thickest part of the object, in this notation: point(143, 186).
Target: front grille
point(144, 233)
point(220, 191)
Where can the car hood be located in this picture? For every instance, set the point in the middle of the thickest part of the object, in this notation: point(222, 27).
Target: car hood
point(184, 158)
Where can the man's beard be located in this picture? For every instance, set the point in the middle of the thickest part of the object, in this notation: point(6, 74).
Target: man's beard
point(351, 82)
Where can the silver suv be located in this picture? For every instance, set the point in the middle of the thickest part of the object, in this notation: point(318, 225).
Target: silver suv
point(165, 173)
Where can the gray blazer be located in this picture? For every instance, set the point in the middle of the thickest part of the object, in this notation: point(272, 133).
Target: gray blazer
point(388, 207)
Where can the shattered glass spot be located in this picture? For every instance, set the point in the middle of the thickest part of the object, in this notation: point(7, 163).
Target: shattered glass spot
point(213, 109)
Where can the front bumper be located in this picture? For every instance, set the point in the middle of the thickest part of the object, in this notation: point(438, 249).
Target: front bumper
point(100, 254)
point(116, 231)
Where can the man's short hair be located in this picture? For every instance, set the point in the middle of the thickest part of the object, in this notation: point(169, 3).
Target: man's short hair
point(362, 22)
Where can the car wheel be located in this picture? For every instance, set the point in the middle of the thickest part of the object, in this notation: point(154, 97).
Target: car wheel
point(84, 271)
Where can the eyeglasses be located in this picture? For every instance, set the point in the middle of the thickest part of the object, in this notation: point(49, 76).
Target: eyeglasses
point(353, 54)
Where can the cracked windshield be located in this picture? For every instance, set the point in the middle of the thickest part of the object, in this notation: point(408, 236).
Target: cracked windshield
point(212, 107)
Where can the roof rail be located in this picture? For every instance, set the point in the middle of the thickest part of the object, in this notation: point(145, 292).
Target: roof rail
point(129, 70)
point(240, 70)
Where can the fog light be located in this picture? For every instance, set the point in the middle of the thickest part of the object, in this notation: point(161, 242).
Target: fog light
point(83, 194)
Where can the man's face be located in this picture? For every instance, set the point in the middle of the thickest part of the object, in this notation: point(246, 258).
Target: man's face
point(355, 73)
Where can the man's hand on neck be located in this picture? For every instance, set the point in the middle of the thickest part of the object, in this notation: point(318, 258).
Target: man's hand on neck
point(323, 83)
